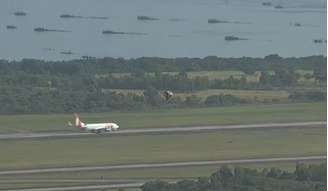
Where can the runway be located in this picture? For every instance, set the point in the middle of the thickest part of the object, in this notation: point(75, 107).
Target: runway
point(87, 187)
point(161, 165)
point(163, 130)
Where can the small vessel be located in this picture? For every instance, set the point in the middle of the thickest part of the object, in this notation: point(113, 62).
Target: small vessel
point(268, 4)
point(212, 21)
point(40, 29)
point(67, 52)
point(68, 16)
point(146, 18)
point(231, 38)
point(112, 32)
point(11, 27)
point(20, 13)
point(319, 41)
point(297, 24)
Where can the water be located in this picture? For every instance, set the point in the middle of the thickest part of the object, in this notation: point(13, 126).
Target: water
point(189, 35)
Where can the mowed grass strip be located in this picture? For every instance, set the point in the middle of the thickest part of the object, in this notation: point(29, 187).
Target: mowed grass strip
point(246, 114)
point(104, 149)
point(148, 173)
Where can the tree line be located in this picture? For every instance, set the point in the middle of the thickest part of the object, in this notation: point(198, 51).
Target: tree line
point(35, 86)
point(44, 100)
point(305, 178)
point(155, 64)
point(180, 82)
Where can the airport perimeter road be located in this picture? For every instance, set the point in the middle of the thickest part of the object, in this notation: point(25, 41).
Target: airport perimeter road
point(164, 130)
point(161, 165)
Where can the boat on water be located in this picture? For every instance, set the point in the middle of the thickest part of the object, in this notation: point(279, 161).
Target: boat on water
point(112, 32)
point(11, 27)
point(20, 13)
point(146, 18)
point(232, 38)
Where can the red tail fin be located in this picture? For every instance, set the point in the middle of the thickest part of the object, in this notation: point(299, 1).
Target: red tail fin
point(78, 122)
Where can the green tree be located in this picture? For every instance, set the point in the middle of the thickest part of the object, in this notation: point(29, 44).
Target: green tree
point(156, 186)
point(301, 172)
point(152, 96)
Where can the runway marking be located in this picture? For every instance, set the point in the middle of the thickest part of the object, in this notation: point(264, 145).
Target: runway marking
point(163, 130)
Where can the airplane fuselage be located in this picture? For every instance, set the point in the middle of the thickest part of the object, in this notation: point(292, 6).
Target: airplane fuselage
point(100, 126)
point(95, 127)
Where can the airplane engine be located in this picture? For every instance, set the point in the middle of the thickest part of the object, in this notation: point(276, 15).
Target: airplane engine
point(167, 94)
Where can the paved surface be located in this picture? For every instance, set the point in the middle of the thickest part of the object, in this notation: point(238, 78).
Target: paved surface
point(162, 130)
point(70, 180)
point(89, 187)
point(161, 165)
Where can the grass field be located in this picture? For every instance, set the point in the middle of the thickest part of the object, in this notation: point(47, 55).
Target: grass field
point(149, 173)
point(171, 117)
point(222, 74)
point(104, 149)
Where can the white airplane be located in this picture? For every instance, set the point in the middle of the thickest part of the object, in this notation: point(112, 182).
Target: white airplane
point(94, 127)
